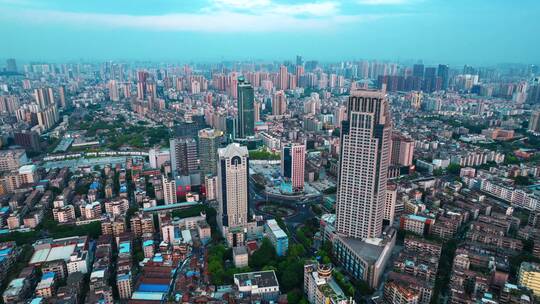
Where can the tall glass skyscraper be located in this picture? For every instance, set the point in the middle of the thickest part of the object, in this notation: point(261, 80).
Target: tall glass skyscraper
point(246, 113)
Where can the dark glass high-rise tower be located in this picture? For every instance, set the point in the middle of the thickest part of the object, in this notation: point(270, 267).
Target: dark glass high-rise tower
point(246, 113)
point(442, 72)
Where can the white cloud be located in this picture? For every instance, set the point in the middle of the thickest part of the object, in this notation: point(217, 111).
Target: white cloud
point(264, 7)
point(217, 16)
point(383, 2)
point(220, 21)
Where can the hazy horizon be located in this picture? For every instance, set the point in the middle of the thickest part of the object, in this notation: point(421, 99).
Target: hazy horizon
point(457, 32)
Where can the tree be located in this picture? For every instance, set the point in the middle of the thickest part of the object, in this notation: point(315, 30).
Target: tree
point(292, 274)
point(522, 180)
point(294, 296)
point(453, 169)
point(263, 256)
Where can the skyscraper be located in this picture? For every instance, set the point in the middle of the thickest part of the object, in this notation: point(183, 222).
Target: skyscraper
point(246, 115)
point(141, 84)
point(11, 65)
point(62, 94)
point(360, 246)
point(169, 190)
point(283, 80)
point(442, 72)
point(365, 157)
point(183, 156)
point(233, 172)
point(534, 122)
point(279, 103)
point(299, 60)
point(113, 91)
point(293, 158)
point(418, 70)
point(209, 141)
point(430, 79)
point(44, 97)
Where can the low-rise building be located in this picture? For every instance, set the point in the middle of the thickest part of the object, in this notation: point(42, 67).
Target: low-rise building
point(263, 284)
point(240, 256)
point(277, 236)
point(529, 276)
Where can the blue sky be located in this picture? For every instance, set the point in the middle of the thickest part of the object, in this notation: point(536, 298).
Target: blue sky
point(449, 31)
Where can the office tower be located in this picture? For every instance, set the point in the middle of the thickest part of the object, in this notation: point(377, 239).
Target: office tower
point(365, 157)
point(233, 174)
point(231, 127)
point(279, 103)
point(183, 156)
point(418, 70)
point(293, 158)
point(283, 79)
point(169, 190)
point(246, 115)
point(11, 65)
point(534, 122)
point(209, 142)
point(402, 150)
point(442, 72)
point(44, 97)
point(113, 91)
point(141, 84)
point(430, 79)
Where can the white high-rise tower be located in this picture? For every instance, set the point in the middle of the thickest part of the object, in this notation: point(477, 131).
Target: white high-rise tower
point(232, 189)
point(363, 167)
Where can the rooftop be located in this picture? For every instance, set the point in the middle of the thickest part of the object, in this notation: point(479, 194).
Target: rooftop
point(260, 279)
point(368, 251)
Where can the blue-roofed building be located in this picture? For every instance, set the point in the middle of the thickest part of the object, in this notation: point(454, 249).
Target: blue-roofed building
point(147, 287)
point(95, 185)
point(46, 288)
point(124, 248)
point(277, 236)
point(416, 224)
point(123, 188)
point(148, 248)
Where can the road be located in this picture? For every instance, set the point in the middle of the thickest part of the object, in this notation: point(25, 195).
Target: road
point(303, 209)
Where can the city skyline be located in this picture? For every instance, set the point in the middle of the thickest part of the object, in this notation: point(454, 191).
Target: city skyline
point(251, 30)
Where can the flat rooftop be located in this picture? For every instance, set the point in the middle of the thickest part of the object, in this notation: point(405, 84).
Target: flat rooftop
point(260, 279)
point(368, 251)
point(52, 254)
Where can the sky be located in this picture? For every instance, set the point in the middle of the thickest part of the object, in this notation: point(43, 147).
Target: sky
point(480, 32)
